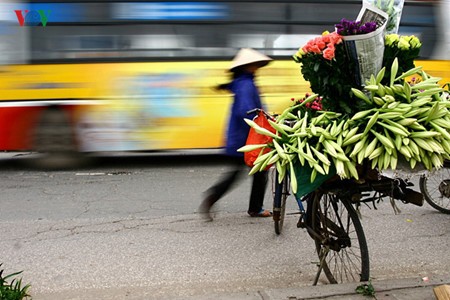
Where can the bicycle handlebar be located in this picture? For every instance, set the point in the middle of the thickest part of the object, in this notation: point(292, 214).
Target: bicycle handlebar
point(272, 117)
point(253, 110)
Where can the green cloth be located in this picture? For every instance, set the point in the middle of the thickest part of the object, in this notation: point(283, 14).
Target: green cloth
point(303, 175)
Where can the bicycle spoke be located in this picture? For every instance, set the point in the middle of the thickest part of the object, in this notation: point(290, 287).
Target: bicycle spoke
point(336, 227)
point(344, 265)
point(436, 189)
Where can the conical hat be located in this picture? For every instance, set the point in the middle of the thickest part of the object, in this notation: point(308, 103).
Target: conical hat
point(247, 56)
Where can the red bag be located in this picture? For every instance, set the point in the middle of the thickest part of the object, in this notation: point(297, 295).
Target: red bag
point(257, 138)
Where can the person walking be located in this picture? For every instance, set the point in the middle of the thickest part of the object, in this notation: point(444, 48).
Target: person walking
point(246, 97)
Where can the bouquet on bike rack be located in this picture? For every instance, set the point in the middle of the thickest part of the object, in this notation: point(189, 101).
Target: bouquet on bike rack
point(398, 113)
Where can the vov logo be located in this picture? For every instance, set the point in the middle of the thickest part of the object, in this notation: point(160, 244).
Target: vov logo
point(32, 17)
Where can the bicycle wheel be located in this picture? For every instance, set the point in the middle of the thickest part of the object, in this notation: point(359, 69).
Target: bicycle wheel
point(279, 202)
point(436, 189)
point(339, 238)
point(55, 141)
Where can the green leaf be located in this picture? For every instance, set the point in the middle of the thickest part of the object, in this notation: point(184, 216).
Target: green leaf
point(366, 289)
point(14, 289)
point(248, 148)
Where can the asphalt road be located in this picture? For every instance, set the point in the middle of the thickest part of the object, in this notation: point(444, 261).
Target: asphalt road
point(128, 226)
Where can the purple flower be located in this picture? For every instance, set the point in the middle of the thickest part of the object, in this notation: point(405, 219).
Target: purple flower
point(347, 27)
point(368, 27)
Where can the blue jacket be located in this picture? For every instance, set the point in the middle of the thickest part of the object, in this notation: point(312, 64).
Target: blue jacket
point(246, 97)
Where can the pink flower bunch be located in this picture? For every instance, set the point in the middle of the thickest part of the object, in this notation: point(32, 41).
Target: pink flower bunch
point(324, 44)
point(415, 80)
point(313, 105)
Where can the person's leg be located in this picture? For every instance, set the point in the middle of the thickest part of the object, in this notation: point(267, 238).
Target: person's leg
point(257, 195)
point(216, 192)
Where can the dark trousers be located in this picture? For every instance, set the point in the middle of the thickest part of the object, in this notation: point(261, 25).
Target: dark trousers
point(238, 169)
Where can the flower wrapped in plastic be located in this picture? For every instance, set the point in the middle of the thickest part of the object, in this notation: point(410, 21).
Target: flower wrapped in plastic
point(394, 10)
point(364, 42)
point(325, 64)
point(336, 62)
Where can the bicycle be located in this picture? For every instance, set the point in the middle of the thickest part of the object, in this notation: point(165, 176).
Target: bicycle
point(336, 228)
point(435, 188)
point(332, 221)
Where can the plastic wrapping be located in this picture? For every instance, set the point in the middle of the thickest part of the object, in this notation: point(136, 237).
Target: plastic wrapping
point(394, 10)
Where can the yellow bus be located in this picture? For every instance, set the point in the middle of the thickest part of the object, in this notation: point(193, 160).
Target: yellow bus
point(87, 77)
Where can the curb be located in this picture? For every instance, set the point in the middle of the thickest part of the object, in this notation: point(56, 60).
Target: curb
point(398, 289)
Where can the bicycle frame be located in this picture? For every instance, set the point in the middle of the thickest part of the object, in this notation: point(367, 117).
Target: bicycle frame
point(280, 193)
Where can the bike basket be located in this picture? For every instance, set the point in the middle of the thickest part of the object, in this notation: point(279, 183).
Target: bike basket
point(257, 138)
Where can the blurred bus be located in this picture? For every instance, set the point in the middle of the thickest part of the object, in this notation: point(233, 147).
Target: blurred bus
point(95, 76)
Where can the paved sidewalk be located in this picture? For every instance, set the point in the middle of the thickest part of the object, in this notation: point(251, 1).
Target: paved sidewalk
point(393, 289)
point(396, 289)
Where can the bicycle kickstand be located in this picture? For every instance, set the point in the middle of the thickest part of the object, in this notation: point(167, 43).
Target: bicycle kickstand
point(322, 258)
point(301, 221)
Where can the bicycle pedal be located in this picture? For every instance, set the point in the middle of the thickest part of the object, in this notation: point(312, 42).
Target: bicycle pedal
point(414, 197)
point(301, 224)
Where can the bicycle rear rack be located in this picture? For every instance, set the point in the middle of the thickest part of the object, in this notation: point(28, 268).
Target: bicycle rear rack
point(357, 192)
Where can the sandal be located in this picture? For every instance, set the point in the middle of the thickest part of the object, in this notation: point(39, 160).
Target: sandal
point(262, 214)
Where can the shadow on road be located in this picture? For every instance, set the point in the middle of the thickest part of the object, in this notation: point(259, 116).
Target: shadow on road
point(27, 161)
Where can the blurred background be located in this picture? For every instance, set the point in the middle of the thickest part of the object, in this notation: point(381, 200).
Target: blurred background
point(91, 76)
